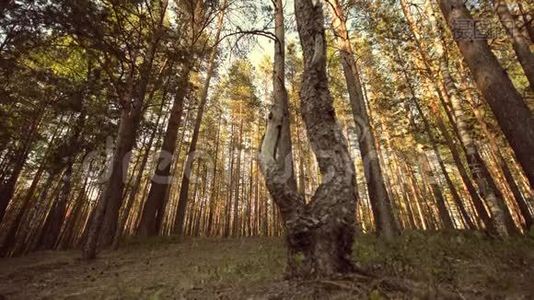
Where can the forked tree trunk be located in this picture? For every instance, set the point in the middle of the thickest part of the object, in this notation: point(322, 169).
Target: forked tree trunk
point(280, 96)
point(380, 201)
point(512, 113)
point(319, 234)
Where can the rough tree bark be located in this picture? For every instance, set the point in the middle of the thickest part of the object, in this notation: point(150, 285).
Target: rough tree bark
point(380, 201)
point(512, 113)
point(319, 234)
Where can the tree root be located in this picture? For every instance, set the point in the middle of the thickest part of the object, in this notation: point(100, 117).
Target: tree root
point(364, 284)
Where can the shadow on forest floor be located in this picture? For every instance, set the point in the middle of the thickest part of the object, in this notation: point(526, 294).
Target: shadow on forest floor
point(465, 265)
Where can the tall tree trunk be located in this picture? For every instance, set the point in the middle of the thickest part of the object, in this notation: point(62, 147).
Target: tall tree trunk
point(230, 191)
point(501, 162)
point(7, 187)
point(436, 191)
point(153, 210)
point(56, 217)
point(73, 218)
point(184, 187)
point(441, 206)
point(24, 208)
point(238, 179)
point(521, 202)
point(137, 182)
point(214, 183)
point(10, 239)
point(485, 184)
point(380, 201)
point(520, 42)
point(250, 197)
point(319, 234)
point(477, 201)
point(30, 233)
point(280, 107)
point(513, 115)
point(415, 187)
point(202, 200)
point(102, 227)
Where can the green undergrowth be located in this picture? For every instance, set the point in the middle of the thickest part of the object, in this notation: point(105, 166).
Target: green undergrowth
point(251, 268)
point(466, 261)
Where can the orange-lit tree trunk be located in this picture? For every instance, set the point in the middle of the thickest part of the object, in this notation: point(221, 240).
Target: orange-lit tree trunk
point(511, 112)
point(380, 201)
point(184, 187)
point(477, 166)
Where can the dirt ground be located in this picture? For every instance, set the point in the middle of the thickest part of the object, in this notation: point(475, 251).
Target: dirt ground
point(462, 266)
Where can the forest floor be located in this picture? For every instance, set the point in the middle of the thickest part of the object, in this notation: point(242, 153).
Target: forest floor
point(417, 265)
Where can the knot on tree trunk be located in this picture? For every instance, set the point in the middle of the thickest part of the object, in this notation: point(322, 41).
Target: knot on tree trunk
point(299, 231)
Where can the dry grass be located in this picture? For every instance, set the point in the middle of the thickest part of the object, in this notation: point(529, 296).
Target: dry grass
point(416, 265)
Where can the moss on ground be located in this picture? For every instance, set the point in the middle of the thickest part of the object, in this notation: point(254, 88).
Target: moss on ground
point(468, 264)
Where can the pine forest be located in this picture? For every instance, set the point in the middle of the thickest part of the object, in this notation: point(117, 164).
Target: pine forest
point(239, 149)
